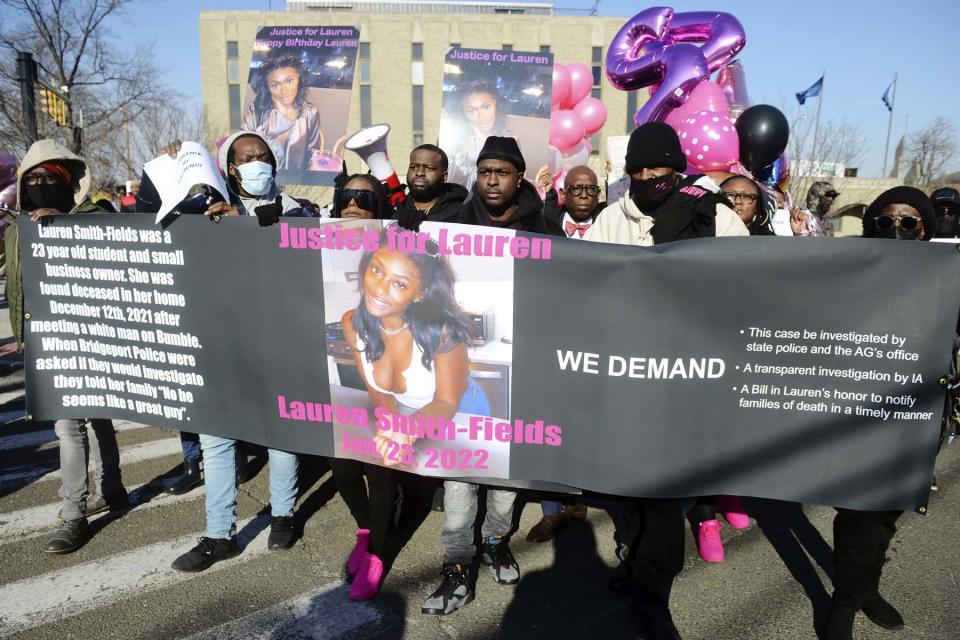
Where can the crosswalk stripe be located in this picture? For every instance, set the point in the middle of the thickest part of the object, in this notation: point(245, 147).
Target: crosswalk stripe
point(38, 438)
point(36, 521)
point(56, 595)
point(128, 455)
point(322, 614)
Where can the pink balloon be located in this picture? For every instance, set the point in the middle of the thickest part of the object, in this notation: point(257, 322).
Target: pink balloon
point(581, 81)
point(554, 159)
point(593, 113)
point(561, 85)
point(706, 96)
point(566, 129)
point(577, 156)
point(710, 141)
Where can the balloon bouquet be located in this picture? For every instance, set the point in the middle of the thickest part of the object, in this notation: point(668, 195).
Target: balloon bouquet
point(719, 131)
point(574, 117)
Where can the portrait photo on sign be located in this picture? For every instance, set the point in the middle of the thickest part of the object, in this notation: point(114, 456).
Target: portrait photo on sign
point(298, 98)
point(422, 341)
point(494, 93)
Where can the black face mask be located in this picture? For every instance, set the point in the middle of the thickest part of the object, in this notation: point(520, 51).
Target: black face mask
point(57, 196)
point(896, 233)
point(947, 226)
point(648, 195)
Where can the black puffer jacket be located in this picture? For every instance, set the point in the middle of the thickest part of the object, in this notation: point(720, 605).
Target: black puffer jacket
point(528, 216)
point(447, 208)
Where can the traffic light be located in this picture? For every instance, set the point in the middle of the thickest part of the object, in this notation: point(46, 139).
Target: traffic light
point(53, 104)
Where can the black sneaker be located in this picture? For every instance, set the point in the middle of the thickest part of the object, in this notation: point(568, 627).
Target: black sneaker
point(283, 533)
point(497, 557)
point(207, 552)
point(70, 536)
point(652, 618)
point(455, 591)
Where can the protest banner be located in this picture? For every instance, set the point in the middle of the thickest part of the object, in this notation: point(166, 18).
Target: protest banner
point(298, 98)
point(700, 367)
point(494, 93)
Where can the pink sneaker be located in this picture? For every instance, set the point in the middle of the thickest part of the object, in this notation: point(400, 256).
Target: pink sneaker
point(708, 541)
point(733, 511)
point(366, 584)
point(359, 550)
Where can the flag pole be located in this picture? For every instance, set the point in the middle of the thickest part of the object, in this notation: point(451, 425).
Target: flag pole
point(886, 147)
point(816, 125)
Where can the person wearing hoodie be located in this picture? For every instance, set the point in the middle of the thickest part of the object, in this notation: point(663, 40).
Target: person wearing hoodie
point(431, 196)
point(501, 197)
point(249, 168)
point(53, 181)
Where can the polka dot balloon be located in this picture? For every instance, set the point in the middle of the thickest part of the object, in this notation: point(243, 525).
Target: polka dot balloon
point(710, 142)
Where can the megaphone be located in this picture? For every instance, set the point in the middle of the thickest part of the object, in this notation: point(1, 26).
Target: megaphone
point(370, 144)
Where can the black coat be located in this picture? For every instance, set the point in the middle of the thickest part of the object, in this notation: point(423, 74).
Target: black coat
point(528, 216)
point(553, 211)
point(446, 209)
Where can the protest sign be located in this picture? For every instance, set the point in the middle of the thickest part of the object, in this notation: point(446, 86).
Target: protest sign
point(494, 93)
point(174, 178)
point(700, 367)
point(298, 98)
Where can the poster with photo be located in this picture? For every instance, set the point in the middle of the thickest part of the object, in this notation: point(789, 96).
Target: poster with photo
point(494, 93)
point(298, 98)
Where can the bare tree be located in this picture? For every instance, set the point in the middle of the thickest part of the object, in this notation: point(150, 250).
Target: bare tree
point(930, 150)
point(109, 90)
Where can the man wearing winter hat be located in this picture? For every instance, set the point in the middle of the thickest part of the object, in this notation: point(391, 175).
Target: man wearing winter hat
point(946, 204)
point(501, 197)
point(662, 204)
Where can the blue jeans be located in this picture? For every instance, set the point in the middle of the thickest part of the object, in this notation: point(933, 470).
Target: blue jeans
point(551, 507)
point(220, 478)
point(474, 400)
point(190, 443)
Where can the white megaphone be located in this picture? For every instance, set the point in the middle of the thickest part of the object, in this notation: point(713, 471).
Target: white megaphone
point(370, 144)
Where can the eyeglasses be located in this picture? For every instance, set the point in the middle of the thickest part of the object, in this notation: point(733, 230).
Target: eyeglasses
point(365, 198)
point(577, 189)
point(907, 223)
point(746, 198)
point(34, 179)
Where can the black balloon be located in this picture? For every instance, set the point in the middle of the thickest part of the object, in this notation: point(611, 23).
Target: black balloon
point(763, 131)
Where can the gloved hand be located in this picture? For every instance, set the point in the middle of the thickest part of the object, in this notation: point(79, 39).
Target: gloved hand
point(268, 214)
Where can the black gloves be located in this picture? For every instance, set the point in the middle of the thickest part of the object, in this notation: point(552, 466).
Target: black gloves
point(268, 214)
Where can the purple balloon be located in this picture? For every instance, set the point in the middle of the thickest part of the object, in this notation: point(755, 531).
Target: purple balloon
point(8, 169)
point(653, 48)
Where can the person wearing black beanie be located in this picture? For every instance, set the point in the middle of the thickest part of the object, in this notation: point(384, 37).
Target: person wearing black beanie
point(901, 213)
point(662, 204)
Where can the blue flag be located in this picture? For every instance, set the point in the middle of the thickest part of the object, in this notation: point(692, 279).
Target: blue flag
point(886, 97)
point(812, 92)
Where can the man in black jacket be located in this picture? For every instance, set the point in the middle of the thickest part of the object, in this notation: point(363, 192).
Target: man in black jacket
point(431, 196)
point(581, 203)
point(501, 197)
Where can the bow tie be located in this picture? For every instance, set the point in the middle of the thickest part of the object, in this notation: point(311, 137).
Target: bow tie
point(570, 227)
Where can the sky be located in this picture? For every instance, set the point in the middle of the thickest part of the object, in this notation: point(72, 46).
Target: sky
point(789, 44)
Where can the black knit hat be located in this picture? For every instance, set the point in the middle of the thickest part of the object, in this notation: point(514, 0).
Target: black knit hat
point(901, 195)
point(501, 148)
point(946, 195)
point(654, 144)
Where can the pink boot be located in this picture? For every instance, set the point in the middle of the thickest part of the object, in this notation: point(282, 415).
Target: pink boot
point(732, 509)
point(708, 541)
point(359, 550)
point(366, 584)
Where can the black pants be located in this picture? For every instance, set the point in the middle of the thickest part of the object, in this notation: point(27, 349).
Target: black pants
point(860, 541)
point(654, 531)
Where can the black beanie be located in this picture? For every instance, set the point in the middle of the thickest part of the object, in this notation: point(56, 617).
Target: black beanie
point(901, 195)
point(654, 144)
point(501, 148)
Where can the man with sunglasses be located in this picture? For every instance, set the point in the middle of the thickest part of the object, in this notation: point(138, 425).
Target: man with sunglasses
point(431, 196)
point(946, 204)
point(581, 203)
point(861, 538)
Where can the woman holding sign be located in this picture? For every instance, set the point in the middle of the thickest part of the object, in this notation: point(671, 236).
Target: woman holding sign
point(281, 113)
point(410, 345)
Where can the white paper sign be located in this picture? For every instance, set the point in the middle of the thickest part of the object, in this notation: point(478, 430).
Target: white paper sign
point(616, 152)
point(174, 177)
point(781, 223)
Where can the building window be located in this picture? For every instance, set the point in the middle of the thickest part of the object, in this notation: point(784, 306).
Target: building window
point(417, 139)
point(544, 48)
point(597, 91)
point(508, 47)
point(418, 111)
point(631, 109)
point(366, 111)
point(234, 95)
point(416, 51)
point(233, 51)
point(454, 45)
point(233, 83)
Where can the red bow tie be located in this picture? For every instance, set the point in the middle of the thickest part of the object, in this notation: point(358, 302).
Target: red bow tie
point(570, 227)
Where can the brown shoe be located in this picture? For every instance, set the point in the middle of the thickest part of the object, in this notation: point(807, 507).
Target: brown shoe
point(544, 530)
point(575, 511)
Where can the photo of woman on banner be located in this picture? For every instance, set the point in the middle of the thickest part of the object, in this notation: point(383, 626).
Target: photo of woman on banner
point(476, 112)
point(281, 113)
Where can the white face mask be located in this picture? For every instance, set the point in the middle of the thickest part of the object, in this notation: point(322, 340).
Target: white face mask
point(255, 177)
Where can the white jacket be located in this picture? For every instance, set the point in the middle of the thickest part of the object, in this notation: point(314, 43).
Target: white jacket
point(623, 223)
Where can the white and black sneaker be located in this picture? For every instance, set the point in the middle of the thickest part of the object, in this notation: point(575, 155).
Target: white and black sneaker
point(455, 591)
point(497, 557)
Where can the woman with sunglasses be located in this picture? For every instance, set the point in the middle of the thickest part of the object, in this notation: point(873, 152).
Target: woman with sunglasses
point(861, 538)
point(360, 197)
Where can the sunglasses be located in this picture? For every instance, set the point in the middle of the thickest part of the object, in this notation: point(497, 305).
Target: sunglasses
point(365, 198)
point(577, 189)
point(907, 223)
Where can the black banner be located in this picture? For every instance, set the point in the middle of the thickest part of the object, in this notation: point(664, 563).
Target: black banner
point(799, 369)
